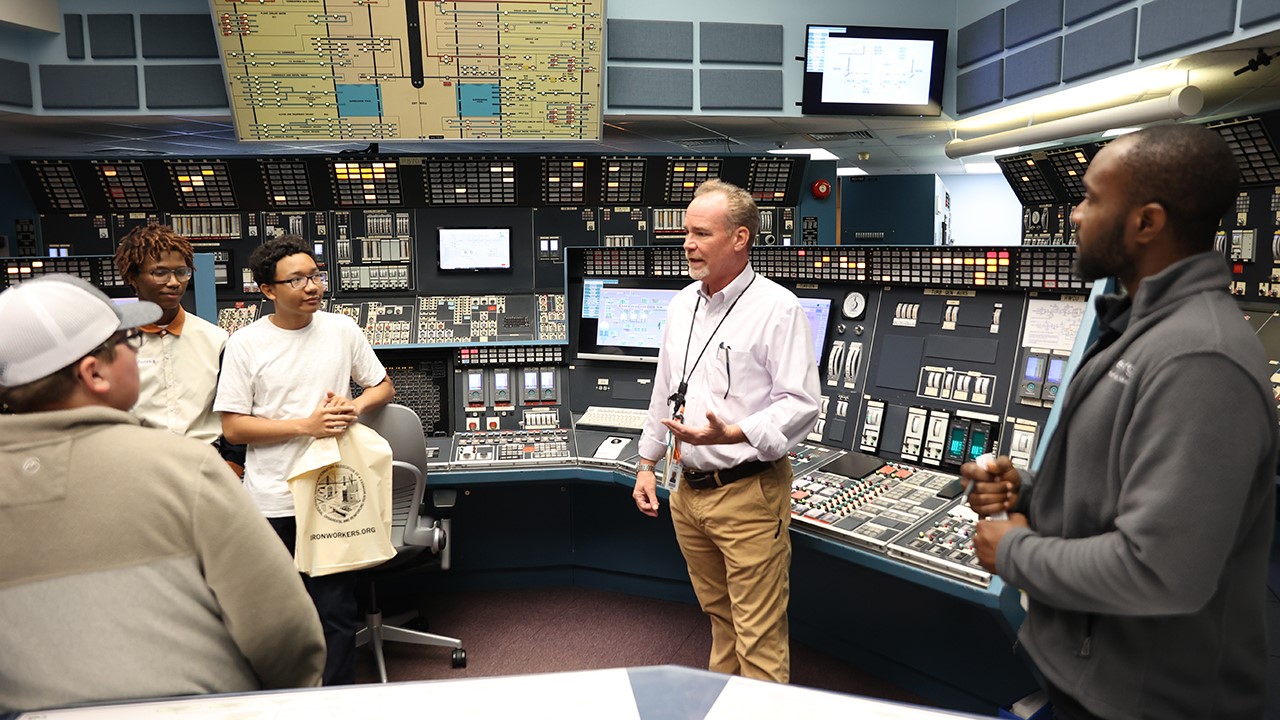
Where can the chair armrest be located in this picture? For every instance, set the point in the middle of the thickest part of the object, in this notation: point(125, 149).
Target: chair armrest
point(419, 531)
point(412, 470)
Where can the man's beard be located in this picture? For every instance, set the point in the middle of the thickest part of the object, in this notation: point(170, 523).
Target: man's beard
point(1104, 256)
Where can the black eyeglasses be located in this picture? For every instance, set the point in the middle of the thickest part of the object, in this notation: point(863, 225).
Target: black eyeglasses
point(321, 279)
point(131, 337)
point(162, 274)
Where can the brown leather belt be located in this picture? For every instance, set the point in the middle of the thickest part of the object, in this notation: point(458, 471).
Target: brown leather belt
point(708, 479)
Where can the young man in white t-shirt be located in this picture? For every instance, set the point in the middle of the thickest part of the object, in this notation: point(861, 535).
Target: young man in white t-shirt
point(285, 380)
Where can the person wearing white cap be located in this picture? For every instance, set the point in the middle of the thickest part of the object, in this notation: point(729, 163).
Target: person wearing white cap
point(131, 562)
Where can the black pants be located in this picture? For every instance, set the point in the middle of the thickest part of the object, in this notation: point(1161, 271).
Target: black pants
point(335, 600)
point(1065, 707)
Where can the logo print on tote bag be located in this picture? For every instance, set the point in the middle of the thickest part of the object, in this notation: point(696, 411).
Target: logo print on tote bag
point(340, 493)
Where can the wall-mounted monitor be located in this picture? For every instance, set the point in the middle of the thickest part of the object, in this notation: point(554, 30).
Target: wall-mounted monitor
point(859, 70)
point(474, 249)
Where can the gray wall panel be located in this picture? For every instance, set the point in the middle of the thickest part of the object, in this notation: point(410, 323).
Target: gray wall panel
point(89, 86)
point(980, 87)
point(646, 87)
point(73, 33)
point(15, 83)
point(184, 86)
point(740, 89)
point(1171, 24)
point(111, 36)
point(739, 42)
point(1101, 46)
point(178, 36)
point(1253, 12)
point(649, 40)
point(1077, 10)
point(1029, 19)
point(1035, 68)
point(980, 40)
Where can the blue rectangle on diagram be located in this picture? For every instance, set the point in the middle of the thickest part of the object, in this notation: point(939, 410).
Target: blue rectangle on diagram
point(359, 100)
point(479, 100)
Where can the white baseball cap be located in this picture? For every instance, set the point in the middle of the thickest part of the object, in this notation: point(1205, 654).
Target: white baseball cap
point(49, 322)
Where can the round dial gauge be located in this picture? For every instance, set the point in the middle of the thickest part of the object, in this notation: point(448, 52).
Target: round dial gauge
point(855, 304)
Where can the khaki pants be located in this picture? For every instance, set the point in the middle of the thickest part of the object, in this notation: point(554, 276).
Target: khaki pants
point(735, 540)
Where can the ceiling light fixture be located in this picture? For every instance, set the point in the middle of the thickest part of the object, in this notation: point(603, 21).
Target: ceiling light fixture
point(982, 168)
point(813, 153)
point(1182, 102)
point(1123, 89)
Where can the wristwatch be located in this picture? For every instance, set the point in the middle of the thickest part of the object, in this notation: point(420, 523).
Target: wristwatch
point(645, 467)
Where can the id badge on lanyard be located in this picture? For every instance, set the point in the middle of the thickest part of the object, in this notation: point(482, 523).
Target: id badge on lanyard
point(672, 469)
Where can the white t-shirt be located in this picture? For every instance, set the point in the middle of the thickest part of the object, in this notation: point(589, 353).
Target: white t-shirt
point(279, 374)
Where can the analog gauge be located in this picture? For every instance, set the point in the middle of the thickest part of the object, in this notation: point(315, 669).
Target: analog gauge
point(855, 304)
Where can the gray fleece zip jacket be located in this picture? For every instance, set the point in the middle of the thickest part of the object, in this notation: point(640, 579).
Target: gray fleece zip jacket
point(133, 565)
point(1151, 516)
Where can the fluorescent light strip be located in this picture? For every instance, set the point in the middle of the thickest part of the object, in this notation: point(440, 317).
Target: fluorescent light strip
point(1183, 102)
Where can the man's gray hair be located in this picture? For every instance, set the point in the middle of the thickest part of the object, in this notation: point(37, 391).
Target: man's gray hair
point(741, 210)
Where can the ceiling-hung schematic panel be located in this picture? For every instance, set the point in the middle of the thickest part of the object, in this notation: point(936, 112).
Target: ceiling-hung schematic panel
point(335, 70)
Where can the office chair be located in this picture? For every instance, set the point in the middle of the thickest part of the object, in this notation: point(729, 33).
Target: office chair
point(412, 532)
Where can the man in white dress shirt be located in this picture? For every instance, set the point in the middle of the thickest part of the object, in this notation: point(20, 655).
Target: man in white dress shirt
point(736, 387)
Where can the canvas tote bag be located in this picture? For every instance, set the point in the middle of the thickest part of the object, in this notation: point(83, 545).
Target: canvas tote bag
point(342, 498)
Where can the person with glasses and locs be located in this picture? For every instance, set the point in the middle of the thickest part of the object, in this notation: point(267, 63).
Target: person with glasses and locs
point(285, 380)
point(180, 354)
point(133, 564)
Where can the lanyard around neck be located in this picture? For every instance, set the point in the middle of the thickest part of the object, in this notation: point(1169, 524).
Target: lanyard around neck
point(678, 398)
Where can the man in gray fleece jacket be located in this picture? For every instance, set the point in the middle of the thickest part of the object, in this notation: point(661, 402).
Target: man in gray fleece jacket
point(132, 563)
point(1142, 542)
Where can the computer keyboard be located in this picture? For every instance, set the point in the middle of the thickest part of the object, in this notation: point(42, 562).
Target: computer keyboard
point(614, 418)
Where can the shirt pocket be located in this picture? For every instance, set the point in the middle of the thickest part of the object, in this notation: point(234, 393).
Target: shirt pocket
point(727, 371)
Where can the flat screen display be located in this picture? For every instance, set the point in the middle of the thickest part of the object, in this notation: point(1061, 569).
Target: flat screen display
point(475, 249)
point(626, 323)
point(1056, 368)
point(861, 70)
point(622, 322)
point(632, 317)
point(818, 310)
point(1035, 368)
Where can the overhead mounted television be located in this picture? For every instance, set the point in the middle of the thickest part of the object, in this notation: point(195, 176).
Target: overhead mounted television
point(475, 249)
point(860, 70)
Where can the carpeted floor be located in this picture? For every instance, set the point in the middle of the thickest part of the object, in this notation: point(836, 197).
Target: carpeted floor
point(517, 632)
